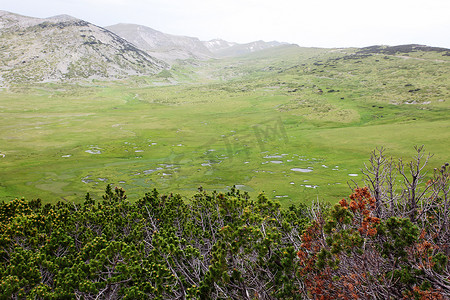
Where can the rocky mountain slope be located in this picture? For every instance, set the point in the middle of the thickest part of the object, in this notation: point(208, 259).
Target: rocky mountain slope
point(218, 45)
point(172, 47)
point(64, 48)
point(164, 46)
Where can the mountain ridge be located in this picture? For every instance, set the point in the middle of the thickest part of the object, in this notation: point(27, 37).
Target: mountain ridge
point(64, 48)
point(164, 46)
point(171, 47)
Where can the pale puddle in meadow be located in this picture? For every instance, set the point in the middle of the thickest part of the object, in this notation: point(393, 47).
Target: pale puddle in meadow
point(300, 158)
point(150, 171)
point(94, 150)
point(162, 167)
point(87, 180)
point(302, 170)
point(309, 186)
point(273, 156)
point(210, 163)
point(263, 171)
point(274, 161)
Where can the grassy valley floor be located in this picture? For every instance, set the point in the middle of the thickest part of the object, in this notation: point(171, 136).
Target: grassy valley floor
point(297, 124)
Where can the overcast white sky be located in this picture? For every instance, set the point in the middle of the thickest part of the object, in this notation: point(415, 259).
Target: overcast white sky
point(321, 23)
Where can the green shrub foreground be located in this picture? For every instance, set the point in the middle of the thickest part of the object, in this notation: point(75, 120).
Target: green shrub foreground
point(383, 242)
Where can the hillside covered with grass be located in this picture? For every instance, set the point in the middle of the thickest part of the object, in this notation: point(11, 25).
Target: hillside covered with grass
point(294, 122)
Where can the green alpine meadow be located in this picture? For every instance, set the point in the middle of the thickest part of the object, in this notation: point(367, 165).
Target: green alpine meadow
point(296, 123)
point(136, 164)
